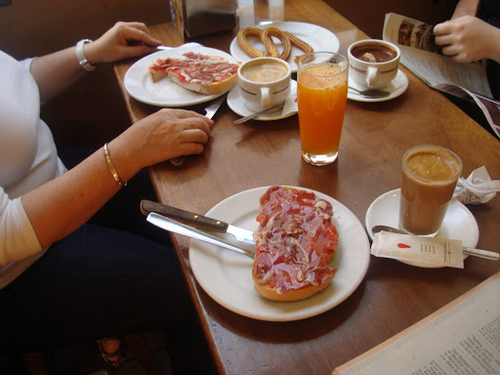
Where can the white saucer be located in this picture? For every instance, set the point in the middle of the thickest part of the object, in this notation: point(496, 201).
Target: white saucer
point(397, 87)
point(237, 105)
point(458, 223)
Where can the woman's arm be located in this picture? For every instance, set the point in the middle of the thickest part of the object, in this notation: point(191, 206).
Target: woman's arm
point(60, 206)
point(466, 8)
point(57, 71)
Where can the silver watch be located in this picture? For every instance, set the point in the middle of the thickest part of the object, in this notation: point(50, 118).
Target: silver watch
point(84, 63)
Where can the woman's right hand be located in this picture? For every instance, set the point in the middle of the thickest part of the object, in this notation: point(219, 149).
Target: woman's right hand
point(164, 135)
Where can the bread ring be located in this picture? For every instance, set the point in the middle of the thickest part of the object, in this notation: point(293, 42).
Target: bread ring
point(245, 45)
point(268, 42)
point(299, 43)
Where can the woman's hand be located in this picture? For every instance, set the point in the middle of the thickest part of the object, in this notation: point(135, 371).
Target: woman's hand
point(468, 38)
point(163, 135)
point(123, 40)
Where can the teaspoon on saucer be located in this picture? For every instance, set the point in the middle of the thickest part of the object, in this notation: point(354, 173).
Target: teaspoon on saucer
point(256, 114)
point(467, 250)
point(371, 93)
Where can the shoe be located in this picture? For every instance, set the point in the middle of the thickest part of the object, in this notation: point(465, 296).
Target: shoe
point(114, 359)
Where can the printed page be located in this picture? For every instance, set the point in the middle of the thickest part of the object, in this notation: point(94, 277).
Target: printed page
point(420, 54)
point(461, 339)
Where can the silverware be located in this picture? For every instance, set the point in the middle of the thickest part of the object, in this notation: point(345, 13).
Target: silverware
point(467, 250)
point(185, 230)
point(190, 44)
point(372, 93)
point(210, 111)
point(253, 115)
point(198, 221)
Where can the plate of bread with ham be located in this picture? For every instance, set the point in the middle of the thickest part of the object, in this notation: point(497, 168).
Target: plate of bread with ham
point(182, 77)
point(312, 253)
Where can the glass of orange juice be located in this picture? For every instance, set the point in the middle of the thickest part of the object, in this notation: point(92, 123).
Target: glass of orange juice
point(322, 97)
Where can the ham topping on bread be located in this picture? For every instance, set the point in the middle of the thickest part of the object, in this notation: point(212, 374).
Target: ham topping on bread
point(196, 67)
point(294, 242)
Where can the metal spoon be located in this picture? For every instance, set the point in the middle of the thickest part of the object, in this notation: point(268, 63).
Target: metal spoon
point(467, 250)
point(371, 93)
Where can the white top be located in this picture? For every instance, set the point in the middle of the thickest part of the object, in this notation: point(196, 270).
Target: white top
point(28, 159)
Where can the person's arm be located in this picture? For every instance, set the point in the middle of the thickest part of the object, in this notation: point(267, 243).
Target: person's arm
point(466, 8)
point(468, 38)
point(57, 71)
point(60, 206)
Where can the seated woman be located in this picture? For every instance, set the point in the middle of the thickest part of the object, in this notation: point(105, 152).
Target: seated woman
point(62, 278)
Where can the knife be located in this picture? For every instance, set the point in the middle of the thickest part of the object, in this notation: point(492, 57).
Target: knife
point(179, 228)
point(210, 111)
point(198, 221)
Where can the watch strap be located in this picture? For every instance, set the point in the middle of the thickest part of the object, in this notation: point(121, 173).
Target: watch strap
point(84, 63)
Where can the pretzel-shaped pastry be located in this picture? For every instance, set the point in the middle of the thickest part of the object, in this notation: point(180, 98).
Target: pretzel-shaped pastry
point(247, 47)
point(287, 40)
point(299, 43)
point(268, 42)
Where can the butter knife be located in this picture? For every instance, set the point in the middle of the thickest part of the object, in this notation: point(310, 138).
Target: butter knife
point(185, 230)
point(198, 221)
point(210, 111)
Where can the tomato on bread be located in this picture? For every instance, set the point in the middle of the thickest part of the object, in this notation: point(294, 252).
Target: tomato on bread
point(209, 75)
point(294, 243)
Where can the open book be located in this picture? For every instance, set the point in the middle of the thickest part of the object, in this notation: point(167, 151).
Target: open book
point(462, 337)
point(421, 55)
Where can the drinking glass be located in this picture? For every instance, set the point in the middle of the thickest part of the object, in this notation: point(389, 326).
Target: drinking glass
point(430, 174)
point(322, 97)
point(268, 11)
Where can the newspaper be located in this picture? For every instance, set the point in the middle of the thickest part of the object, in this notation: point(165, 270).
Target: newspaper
point(421, 55)
point(463, 337)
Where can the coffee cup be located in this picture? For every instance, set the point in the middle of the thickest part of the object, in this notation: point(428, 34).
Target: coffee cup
point(429, 176)
point(264, 82)
point(373, 63)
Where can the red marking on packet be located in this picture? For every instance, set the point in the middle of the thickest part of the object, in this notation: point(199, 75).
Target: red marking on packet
point(403, 246)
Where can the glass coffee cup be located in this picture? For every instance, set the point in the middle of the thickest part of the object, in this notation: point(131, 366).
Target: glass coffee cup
point(430, 174)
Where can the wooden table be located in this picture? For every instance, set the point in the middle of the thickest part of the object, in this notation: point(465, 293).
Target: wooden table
point(393, 295)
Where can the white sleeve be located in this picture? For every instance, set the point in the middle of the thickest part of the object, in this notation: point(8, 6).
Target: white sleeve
point(17, 236)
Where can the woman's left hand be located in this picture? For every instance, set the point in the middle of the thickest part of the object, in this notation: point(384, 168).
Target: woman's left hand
point(123, 40)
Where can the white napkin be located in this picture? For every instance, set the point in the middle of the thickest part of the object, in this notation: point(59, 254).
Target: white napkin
point(477, 188)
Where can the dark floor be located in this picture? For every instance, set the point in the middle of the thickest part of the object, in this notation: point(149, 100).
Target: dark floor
point(86, 360)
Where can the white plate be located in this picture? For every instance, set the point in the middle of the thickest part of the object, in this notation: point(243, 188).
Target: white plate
point(237, 104)
point(397, 87)
point(165, 93)
point(319, 38)
point(227, 276)
point(458, 223)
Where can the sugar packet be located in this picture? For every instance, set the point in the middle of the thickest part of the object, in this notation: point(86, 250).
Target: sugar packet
point(477, 188)
point(433, 252)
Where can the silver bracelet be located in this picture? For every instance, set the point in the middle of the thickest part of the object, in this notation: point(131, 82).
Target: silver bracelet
point(84, 63)
point(111, 167)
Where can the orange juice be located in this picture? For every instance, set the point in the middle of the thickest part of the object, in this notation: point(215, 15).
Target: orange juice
point(322, 97)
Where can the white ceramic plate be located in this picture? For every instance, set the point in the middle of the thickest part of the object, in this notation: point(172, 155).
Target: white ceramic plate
point(397, 87)
point(319, 38)
point(458, 223)
point(165, 93)
point(227, 276)
point(237, 104)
